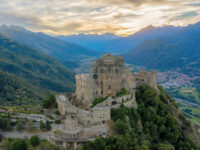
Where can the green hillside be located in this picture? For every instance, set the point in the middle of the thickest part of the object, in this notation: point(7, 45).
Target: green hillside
point(15, 90)
point(157, 124)
point(32, 69)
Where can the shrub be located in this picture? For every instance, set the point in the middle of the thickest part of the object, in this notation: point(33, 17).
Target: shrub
point(50, 102)
point(57, 113)
point(42, 125)
point(57, 121)
point(48, 125)
point(19, 126)
point(5, 123)
point(18, 145)
point(120, 127)
point(98, 101)
point(35, 140)
point(122, 92)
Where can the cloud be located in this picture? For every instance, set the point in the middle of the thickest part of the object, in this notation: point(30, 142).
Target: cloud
point(7, 17)
point(121, 17)
point(133, 2)
point(186, 15)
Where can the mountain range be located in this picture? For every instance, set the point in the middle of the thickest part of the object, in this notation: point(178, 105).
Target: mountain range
point(46, 44)
point(91, 41)
point(117, 44)
point(178, 49)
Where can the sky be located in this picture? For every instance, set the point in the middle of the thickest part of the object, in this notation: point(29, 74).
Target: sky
point(121, 17)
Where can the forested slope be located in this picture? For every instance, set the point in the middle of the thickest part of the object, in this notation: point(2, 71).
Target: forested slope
point(156, 124)
point(36, 70)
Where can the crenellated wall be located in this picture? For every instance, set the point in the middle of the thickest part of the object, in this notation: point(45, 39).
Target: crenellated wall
point(144, 77)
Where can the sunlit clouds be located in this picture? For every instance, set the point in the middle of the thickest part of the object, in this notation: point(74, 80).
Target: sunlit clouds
point(122, 17)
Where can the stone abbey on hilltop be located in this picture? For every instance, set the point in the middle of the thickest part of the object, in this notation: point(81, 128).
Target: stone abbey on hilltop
point(107, 77)
point(82, 120)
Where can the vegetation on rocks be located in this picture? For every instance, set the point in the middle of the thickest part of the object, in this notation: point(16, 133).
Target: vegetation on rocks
point(122, 92)
point(98, 101)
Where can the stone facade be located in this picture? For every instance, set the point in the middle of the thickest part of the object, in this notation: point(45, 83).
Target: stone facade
point(107, 77)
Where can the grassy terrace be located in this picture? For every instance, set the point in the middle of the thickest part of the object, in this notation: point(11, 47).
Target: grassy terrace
point(122, 92)
point(98, 101)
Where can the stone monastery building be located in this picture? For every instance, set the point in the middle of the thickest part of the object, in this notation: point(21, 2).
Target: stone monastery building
point(107, 77)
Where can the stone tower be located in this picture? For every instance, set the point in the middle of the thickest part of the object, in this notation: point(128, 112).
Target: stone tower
point(107, 74)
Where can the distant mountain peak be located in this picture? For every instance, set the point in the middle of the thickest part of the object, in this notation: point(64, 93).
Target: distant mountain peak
point(13, 27)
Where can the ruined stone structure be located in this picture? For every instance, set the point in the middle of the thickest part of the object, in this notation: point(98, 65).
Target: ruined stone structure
point(80, 121)
point(107, 77)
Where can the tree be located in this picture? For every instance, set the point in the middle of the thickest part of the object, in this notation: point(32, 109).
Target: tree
point(42, 125)
point(122, 143)
point(120, 127)
point(18, 145)
point(19, 126)
point(6, 144)
point(50, 102)
point(8, 124)
point(57, 113)
point(35, 140)
point(5, 123)
point(57, 121)
point(0, 137)
point(48, 125)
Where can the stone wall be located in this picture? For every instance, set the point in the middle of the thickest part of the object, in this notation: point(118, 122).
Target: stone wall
point(115, 102)
point(84, 89)
point(75, 116)
point(144, 77)
point(100, 115)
